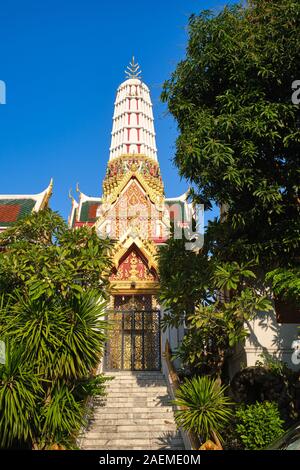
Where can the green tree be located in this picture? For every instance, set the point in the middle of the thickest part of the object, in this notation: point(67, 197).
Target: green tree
point(214, 303)
point(47, 259)
point(239, 131)
point(238, 146)
point(53, 283)
point(184, 279)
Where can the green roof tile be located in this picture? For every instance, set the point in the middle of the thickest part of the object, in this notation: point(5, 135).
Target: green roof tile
point(12, 210)
point(88, 211)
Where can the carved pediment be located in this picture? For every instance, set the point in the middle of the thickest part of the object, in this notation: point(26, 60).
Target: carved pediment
point(133, 267)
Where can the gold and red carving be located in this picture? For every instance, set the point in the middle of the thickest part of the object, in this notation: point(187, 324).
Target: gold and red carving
point(145, 166)
point(119, 168)
point(133, 196)
point(134, 268)
point(135, 212)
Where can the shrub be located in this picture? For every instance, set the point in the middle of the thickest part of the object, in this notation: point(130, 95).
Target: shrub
point(205, 408)
point(268, 381)
point(257, 384)
point(258, 424)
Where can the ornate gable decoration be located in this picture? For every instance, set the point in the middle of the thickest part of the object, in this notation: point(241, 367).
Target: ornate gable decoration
point(134, 268)
point(122, 169)
point(132, 213)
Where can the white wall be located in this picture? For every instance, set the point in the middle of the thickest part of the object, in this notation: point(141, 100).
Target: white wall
point(266, 335)
point(174, 335)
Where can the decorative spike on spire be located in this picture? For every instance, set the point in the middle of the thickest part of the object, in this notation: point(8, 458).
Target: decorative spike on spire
point(133, 69)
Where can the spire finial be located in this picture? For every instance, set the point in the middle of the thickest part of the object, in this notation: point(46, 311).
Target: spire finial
point(133, 69)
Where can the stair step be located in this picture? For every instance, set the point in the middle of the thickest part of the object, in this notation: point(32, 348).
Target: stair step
point(113, 409)
point(133, 413)
point(140, 374)
point(131, 435)
point(136, 388)
point(98, 428)
point(138, 403)
point(135, 401)
point(149, 416)
point(136, 413)
point(132, 422)
point(134, 385)
point(137, 385)
point(131, 443)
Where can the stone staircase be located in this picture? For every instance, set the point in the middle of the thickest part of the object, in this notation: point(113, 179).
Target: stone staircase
point(136, 414)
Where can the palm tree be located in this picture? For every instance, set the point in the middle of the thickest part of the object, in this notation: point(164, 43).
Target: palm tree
point(53, 282)
point(20, 396)
point(56, 346)
point(203, 407)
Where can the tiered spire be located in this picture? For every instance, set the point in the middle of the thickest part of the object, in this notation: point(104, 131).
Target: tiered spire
point(133, 127)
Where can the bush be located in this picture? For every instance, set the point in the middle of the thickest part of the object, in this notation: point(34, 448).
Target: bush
point(258, 424)
point(205, 408)
point(269, 381)
point(257, 384)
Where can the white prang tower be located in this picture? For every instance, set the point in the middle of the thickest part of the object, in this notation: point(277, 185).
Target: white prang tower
point(133, 126)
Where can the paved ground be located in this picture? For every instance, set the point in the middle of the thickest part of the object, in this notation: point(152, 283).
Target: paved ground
point(136, 414)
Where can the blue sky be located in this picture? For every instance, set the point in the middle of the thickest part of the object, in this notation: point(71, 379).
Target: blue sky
point(62, 62)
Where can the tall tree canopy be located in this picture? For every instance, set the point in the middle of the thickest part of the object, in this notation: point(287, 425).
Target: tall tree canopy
point(239, 131)
point(238, 145)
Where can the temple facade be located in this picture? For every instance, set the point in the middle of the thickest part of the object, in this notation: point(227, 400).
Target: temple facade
point(134, 212)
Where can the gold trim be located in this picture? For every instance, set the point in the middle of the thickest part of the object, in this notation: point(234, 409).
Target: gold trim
point(112, 184)
point(48, 194)
point(137, 156)
point(155, 196)
point(126, 289)
point(147, 248)
point(113, 187)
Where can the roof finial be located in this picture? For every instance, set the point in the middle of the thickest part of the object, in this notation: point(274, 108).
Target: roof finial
point(133, 69)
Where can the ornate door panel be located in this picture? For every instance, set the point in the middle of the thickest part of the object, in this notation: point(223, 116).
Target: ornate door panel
point(134, 340)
